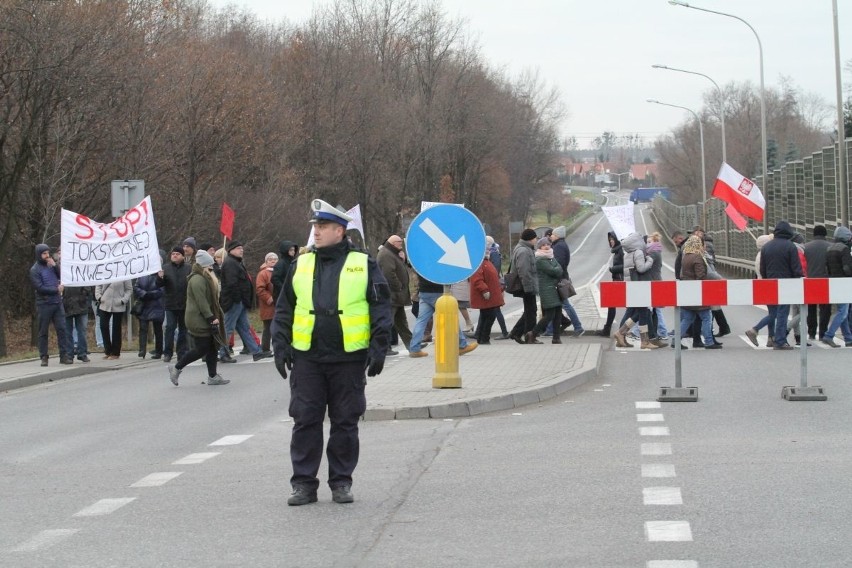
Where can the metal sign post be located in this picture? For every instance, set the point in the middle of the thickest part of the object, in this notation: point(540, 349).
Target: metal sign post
point(678, 393)
point(803, 392)
point(125, 194)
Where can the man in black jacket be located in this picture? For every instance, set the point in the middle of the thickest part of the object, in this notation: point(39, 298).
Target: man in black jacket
point(815, 254)
point(172, 277)
point(236, 299)
point(838, 264)
point(779, 258)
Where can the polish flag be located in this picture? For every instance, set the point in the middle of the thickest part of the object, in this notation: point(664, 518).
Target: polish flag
point(742, 193)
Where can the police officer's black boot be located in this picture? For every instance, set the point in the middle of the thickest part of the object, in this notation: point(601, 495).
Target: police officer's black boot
point(301, 496)
point(342, 494)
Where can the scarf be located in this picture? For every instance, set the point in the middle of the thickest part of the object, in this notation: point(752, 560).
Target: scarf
point(541, 253)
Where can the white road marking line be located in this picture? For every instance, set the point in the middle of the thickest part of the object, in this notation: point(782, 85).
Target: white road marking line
point(668, 531)
point(231, 440)
point(658, 470)
point(662, 496)
point(656, 449)
point(599, 390)
point(193, 459)
point(157, 479)
point(648, 404)
point(104, 507)
point(671, 564)
point(650, 418)
point(44, 539)
point(654, 431)
point(589, 234)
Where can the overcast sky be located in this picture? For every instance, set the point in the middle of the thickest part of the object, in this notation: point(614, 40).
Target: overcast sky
point(599, 53)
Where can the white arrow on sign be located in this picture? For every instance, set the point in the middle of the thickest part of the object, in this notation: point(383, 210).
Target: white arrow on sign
point(455, 253)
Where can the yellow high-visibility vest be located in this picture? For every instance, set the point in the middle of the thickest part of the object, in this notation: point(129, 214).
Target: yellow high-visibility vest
point(353, 309)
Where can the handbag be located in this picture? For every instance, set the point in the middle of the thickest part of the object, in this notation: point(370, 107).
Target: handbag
point(136, 308)
point(513, 283)
point(565, 289)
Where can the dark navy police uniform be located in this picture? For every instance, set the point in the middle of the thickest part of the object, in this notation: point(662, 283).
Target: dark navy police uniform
point(325, 375)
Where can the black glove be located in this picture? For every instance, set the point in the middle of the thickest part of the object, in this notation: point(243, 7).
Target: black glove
point(374, 365)
point(281, 368)
point(284, 358)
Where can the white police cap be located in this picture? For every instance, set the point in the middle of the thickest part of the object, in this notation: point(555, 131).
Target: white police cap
point(322, 211)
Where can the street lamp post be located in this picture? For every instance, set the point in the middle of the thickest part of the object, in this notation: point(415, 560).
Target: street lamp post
point(724, 149)
point(703, 173)
point(762, 91)
point(721, 100)
point(841, 131)
point(619, 177)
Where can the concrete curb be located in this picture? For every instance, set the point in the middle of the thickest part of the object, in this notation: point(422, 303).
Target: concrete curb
point(554, 387)
point(65, 372)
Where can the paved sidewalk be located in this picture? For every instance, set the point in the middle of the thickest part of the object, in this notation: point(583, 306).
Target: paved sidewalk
point(500, 376)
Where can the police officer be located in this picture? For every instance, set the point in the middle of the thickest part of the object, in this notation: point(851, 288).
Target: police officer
point(332, 324)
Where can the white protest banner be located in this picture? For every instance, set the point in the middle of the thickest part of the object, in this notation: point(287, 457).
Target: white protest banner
point(424, 205)
point(356, 223)
point(621, 220)
point(97, 253)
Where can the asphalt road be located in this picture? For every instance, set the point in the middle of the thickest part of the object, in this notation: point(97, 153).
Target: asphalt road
point(742, 477)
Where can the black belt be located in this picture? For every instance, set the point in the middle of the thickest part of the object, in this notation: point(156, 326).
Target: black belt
point(326, 312)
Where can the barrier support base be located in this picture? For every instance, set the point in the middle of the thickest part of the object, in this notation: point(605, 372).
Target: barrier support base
point(803, 393)
point(678, 394)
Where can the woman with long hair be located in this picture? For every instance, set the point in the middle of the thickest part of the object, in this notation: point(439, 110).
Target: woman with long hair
point(204, 320)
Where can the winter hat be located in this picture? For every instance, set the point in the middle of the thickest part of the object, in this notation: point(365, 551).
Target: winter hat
point(203, 259)
point(205, 246)
point(842, 234)
point(819, 231)
point(542, 241)
point(559, 232)
point(528, 235)
point(177, 248)
point(191, 242)
point(234, 244)
point(489, 241)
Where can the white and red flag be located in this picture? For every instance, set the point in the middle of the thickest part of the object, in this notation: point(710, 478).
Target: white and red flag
point(742, 193)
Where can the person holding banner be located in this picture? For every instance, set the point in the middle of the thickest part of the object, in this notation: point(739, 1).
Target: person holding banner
point(113, 299)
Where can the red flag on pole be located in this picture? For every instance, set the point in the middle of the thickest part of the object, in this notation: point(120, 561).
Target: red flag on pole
point(226, 227)
point(735, 216)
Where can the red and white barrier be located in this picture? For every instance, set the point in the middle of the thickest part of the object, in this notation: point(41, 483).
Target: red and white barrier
point(666, 293)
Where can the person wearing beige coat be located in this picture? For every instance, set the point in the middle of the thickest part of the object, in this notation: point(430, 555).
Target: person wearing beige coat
point(112, 301)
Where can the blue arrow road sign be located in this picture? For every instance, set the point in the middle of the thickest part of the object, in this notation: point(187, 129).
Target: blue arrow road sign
point(445, 243)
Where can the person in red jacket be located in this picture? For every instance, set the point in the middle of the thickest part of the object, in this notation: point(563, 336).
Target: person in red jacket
point(486, 295)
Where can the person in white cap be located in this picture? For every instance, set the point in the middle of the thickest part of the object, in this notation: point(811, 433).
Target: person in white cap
point(332, 323)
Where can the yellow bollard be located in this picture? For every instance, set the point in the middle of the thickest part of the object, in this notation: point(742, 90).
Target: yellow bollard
point(446, 329)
